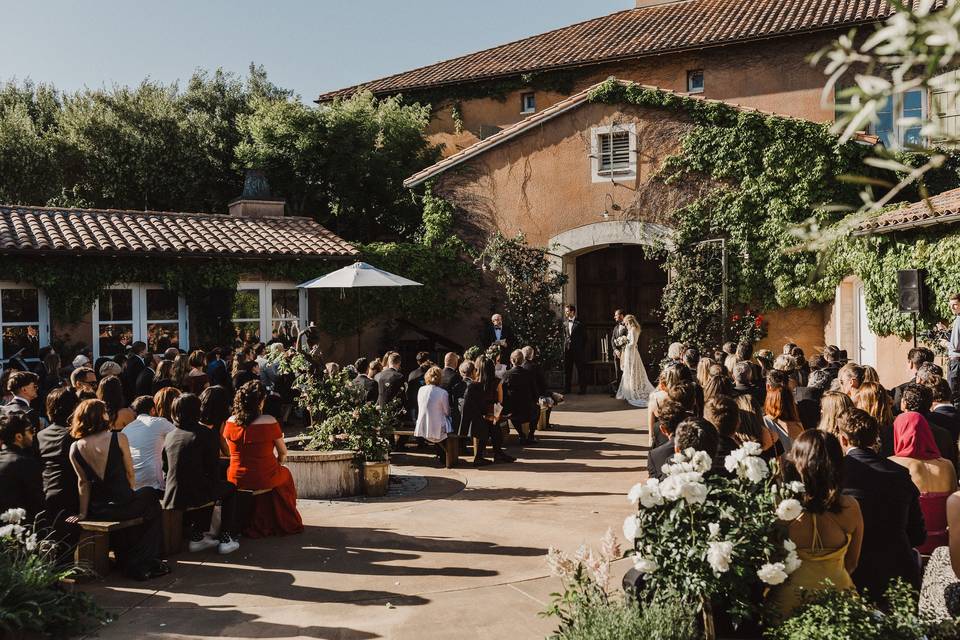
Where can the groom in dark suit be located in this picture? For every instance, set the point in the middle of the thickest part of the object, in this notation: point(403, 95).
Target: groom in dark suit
point(574, 350)
point(619, 331)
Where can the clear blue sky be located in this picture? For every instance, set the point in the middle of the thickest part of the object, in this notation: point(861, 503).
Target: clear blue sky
point(307, 46)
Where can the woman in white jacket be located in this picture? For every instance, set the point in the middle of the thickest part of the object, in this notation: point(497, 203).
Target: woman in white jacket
point(433, 412)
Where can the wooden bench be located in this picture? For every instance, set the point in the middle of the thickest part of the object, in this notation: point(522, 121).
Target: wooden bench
point(93, 549)
point(173, 528)
point(245, 504)
point(451, 446)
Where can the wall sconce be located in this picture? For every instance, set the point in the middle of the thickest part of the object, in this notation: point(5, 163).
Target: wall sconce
point(613, 206)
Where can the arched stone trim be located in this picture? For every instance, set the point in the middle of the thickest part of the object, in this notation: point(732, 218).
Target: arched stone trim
point(565, 247)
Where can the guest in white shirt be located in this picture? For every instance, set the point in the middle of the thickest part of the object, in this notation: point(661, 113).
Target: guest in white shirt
point(433, 415)
point(146, 435)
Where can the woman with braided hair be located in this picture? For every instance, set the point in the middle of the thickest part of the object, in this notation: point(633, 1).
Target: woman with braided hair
point(257, 454)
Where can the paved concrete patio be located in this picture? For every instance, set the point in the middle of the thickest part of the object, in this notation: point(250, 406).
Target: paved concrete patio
point(461, 558)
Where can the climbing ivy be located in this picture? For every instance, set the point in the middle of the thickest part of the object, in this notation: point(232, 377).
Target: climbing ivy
point(771, 174)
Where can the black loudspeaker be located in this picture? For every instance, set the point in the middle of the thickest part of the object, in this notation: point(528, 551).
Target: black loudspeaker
point(911, 291)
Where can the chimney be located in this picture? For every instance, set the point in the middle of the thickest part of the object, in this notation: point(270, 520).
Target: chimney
point(255, 201)
point(651, 3)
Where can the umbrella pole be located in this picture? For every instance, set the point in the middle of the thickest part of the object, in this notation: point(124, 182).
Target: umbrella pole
point(359, 315)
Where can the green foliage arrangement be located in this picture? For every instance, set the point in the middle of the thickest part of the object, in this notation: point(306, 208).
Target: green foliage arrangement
point(773, 174)
point(747, 326)
point(339, 417)
point(589, 610)
point(530, 286)
point(830, 614)
point(33, 594)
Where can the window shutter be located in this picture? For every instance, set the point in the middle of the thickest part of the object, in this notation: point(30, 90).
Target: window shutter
point(615, 151)
point(944, 107)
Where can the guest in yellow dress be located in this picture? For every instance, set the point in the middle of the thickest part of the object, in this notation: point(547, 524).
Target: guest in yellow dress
point(828, 532)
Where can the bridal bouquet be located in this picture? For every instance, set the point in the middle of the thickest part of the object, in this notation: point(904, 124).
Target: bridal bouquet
point(710, 538)
point(621, 342)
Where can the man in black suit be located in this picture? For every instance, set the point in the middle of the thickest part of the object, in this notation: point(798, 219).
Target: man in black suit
point(520, 397)
point(415, 381)
point(365, 381)
point(132, 369)
point(452, 382)
point(942, 412)
point(831, 353)
point(618, 331)
point(916, 358)
point(61, 494)
point(497, 333)
point(743, 383)
point(574, 350)
point(808, 398)
point(21, 481)
point(390, 382)
point(25, 387)
point(144, 384)
point(540, 386)
point(670, 415)
point(890, 504)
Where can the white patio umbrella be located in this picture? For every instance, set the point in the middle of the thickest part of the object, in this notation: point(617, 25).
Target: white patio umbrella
point(355, 276)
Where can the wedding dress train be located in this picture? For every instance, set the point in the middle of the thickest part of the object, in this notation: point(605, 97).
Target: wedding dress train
point(635, 386)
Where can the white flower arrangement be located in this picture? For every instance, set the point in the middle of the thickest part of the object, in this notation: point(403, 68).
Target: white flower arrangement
point(621, 342)
point(708, 537)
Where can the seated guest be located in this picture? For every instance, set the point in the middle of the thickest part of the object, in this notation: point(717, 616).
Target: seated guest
point(716, 385)
point(101, 460)
point(415, 382)
point(832, 358)
point(803, 367)
point(452, 382)
point(918, 398)
point(390, 382)
point(788, 365)
point(257, 454)
point(870, 374)
point(162, 377)
point(215, 409)
point(144, 385)
point(829, 531)
point(195, 380)
point(751, 428)
point(21, 480)
point(163, 403)
point(216, 370)
point(939, 595)
point(433, 412)
point(671, 415)
point(247, 371)
point(83, 380)
point(722, 412)
point(833, 405)
point(191, 453)
point(874, 399)
point(24, 386)
point(703, 371)
point(808, 398)
point(745, 384)
point(59, 478)
point(669, 378)
point(916, 357)
point(697, 434)
point(520, 397)
point(145, 436)
point(915, 449)
point(365, 381)
point(110, 392)
point(890, 503)
point(850, 377)
point(780, 412)
point(690, 359)
point(109, 368)
point(942, 412)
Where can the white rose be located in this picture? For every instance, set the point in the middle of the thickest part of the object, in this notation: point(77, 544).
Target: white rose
point(755, 469)
point(796, 486)
point(714, 528)
point(31, 542)
point(631, 527)
point(719, 555)
point(6, 531)
point(695, 493)
point(772, 574)
point(13, 516)
point(634, 493)
point(701, 461)
point(732, 461)
point(644, 565)
point(789, 510)
point(751, 448)
point(650, 494)
point(789, 545)
point(792, 562)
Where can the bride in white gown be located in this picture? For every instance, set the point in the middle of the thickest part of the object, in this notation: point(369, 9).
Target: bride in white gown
point(635, 387)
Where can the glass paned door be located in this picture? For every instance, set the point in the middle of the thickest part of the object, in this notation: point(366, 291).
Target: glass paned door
point(246, 314)
point(163, 319)
point(284, 315)
point(114, 316)
point(20, 322)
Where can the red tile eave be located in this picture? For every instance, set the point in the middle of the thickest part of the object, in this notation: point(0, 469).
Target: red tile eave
point(941, 209)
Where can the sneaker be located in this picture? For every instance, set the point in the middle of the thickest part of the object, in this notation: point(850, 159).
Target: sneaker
point(202, 544)
point(227, 544)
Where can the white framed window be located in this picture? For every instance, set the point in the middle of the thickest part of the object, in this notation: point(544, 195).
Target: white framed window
point(892, 132)
point(528, 102)
point(264, 311)
point(128, 313)
point(614, 153)
point(695, 81)
point(24, 320)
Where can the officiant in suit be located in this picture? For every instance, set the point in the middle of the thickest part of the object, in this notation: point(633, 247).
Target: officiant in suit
point(496, 332)
point(618, 331)
point(574, 350)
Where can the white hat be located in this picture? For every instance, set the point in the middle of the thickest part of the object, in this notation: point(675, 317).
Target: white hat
point(80, 361)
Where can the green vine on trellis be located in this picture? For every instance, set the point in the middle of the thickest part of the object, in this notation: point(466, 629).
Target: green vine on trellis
point(775, 173)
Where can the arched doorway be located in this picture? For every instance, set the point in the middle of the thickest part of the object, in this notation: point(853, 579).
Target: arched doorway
point(607, 268)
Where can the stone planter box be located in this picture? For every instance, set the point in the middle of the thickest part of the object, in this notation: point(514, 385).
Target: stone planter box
point(324, 474)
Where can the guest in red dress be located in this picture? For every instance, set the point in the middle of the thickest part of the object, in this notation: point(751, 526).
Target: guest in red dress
point(257, 454)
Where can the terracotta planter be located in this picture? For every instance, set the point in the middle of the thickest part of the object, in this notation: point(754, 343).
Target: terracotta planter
point(376, 478)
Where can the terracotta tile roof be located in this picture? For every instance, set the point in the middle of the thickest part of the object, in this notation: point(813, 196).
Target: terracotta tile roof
point(634, 33)
point(939, 209)
point(26, 229)
point(567, 104)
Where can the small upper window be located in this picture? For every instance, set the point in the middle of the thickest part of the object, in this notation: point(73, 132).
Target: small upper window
point(614, 154)
point(528, 103)
point(695, 81)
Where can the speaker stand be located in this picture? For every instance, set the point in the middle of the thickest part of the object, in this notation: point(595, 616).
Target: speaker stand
point(914, 316)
